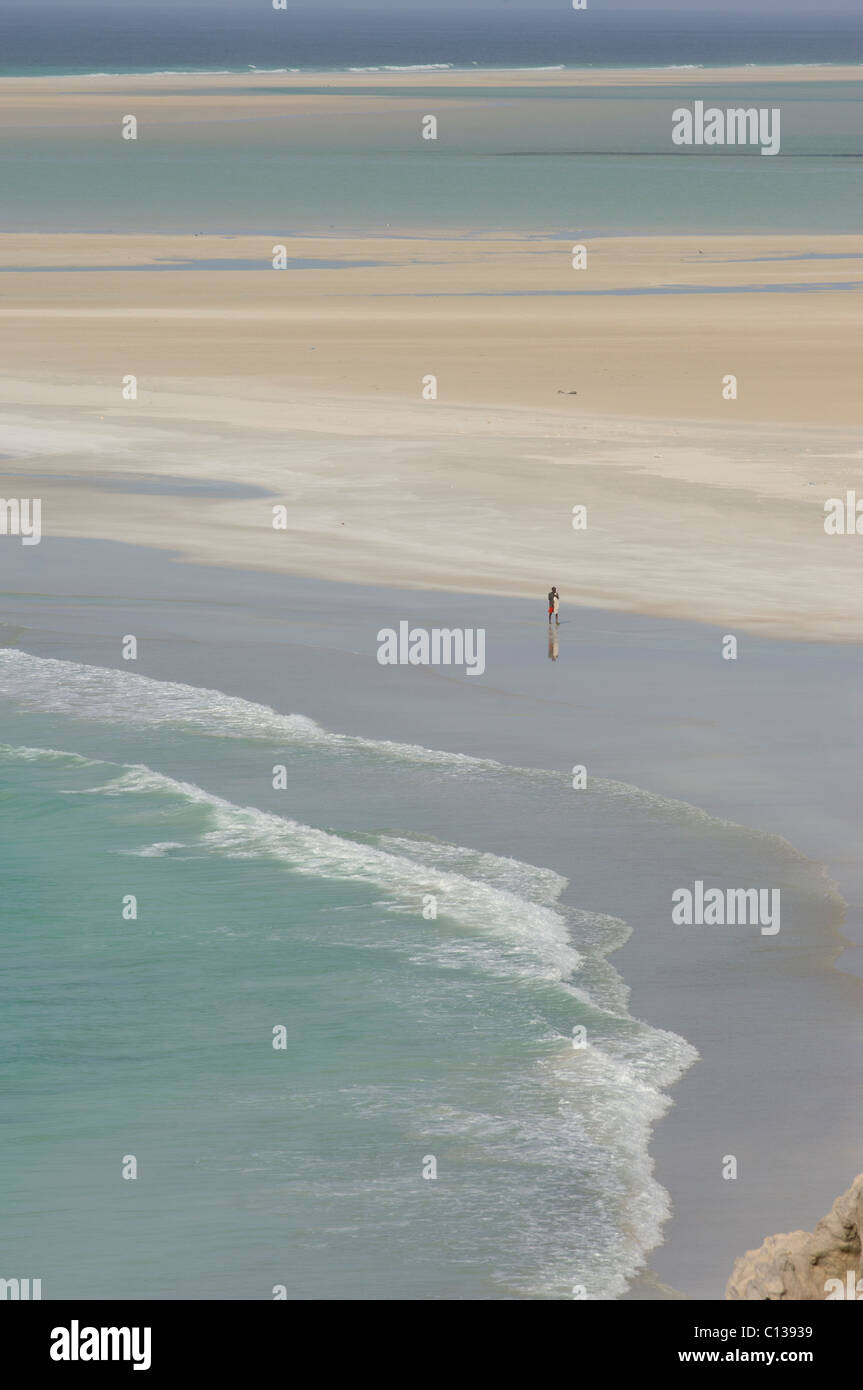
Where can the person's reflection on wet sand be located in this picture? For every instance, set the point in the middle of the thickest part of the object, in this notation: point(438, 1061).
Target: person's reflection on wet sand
point(553, 644)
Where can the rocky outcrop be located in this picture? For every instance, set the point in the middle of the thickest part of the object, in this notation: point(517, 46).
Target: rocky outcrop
point(798, 1266)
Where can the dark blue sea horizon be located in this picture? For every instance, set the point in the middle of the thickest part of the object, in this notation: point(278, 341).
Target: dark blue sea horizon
point(94, 36)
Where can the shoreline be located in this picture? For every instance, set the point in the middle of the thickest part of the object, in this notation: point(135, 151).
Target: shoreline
point(177, 484)
point(634, 733)
point(247, 480)
point(450, 421)
point(304, 388)
point(804, 72)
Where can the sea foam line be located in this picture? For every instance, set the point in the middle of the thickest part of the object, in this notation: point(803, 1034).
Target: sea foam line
point(76, 690)
point(535, 937)
point(610, 1093)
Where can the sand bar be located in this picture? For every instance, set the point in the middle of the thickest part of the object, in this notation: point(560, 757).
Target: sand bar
point(308, 384)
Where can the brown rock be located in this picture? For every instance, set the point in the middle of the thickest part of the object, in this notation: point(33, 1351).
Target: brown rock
point(797, 1266)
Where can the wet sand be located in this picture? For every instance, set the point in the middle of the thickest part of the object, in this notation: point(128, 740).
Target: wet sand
point(767, 742)
point(306, 389)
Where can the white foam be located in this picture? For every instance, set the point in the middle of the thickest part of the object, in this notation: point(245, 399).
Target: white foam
point(535, 938)
point(14, 753)
point(526, 880)
point(112, 696)
point(408, 67)
point(502, 916)
point(122, 697)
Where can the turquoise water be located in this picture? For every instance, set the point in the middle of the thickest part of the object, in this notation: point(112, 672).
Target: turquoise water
point(407, 1037)
point(530, 160)
point(505, 163)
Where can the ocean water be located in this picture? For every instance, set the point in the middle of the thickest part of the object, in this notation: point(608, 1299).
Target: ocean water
point(506, 162)
point(407, 1037)
point(322, 35)
point(528, 164)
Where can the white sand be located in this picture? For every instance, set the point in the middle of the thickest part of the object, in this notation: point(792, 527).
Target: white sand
point(308, 384)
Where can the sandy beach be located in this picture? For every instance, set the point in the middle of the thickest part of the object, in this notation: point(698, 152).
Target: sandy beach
point(652, 705)
point(253, 470)
point(601, 388)
point(52, 91)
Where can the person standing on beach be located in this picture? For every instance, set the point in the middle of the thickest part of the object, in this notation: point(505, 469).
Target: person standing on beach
point(553, 605)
